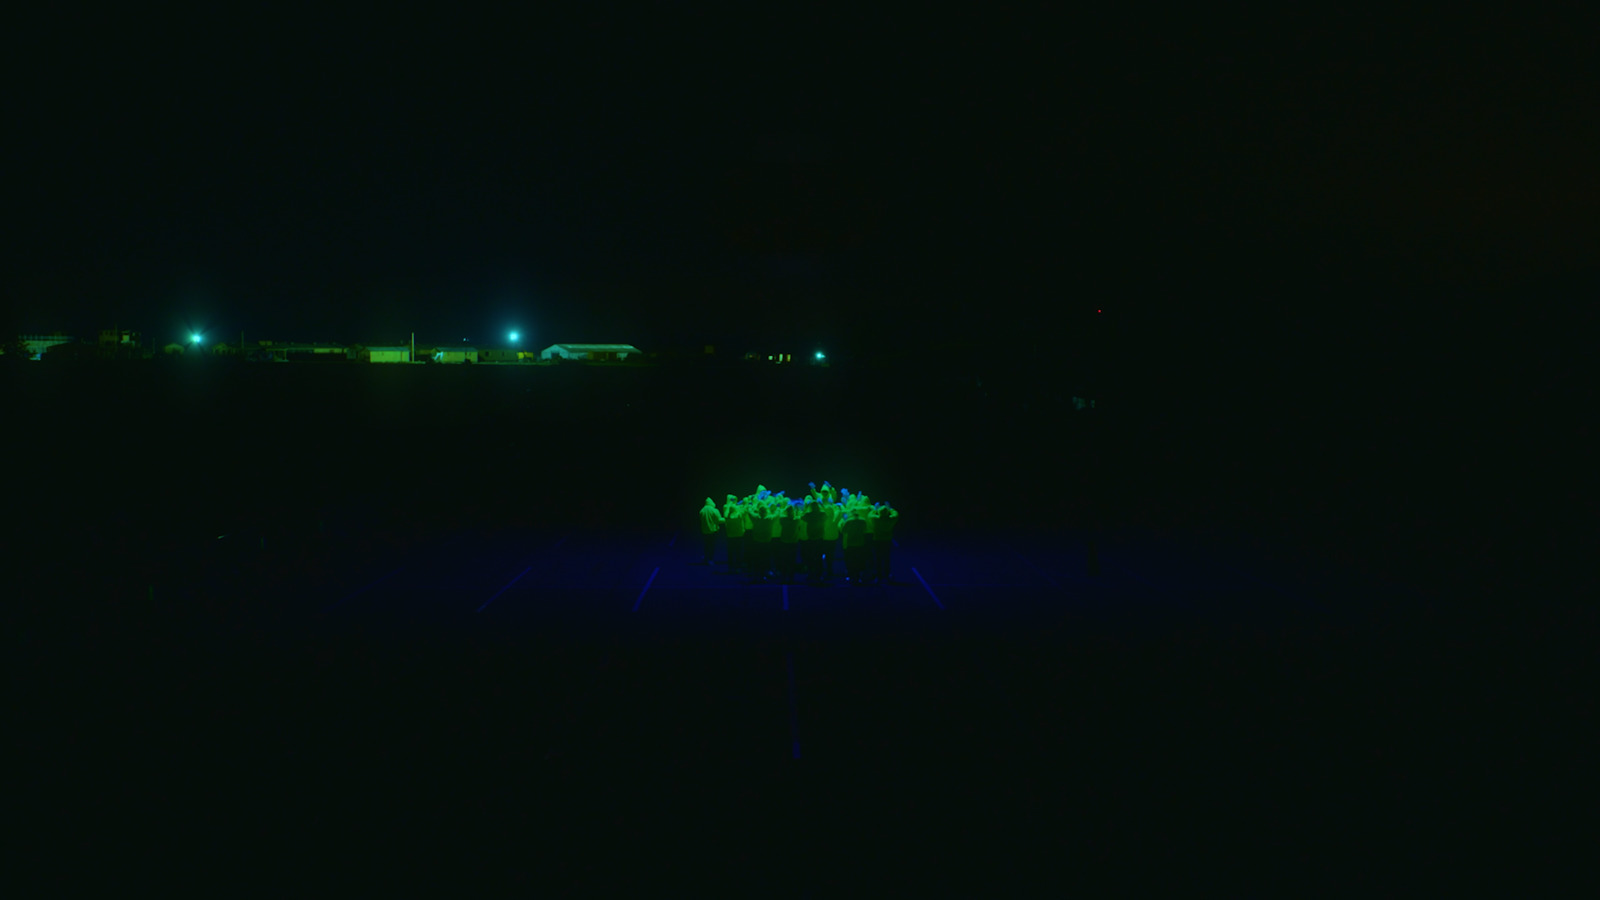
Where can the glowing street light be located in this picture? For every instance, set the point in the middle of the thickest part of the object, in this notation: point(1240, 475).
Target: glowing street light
point(194, 338)
point(819, 354)
point(513, 337)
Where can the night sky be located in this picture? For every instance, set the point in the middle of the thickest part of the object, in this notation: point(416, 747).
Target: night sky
point(781, 175)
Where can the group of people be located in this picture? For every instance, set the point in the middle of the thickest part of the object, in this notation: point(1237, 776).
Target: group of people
point(771, 536)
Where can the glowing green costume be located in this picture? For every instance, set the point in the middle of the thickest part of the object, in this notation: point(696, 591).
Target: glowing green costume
point(733, 517)
point(881, 521)
point(787, 545)
point(758, 534)
point(814, 547)
point(710, 521)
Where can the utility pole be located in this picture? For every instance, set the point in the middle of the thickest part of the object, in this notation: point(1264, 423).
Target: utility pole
point(413, 347)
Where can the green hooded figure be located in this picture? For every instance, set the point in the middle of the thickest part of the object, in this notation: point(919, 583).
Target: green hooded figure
point(734, 517)
point(758, 540)
point(813, 546)
point(787, 545)
point(710, 521)
point(831, 514)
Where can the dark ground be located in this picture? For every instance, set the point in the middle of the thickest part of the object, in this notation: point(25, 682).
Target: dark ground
point(254, 637)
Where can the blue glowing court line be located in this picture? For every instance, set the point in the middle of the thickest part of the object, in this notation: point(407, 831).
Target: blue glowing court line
point(671, 542)
point(646, 589)
point(514, 580)
point(926, 588)
point(786, 598)
point(504, 589)
point(794, 715)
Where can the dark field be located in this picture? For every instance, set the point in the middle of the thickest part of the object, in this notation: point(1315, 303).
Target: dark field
point(421, 625)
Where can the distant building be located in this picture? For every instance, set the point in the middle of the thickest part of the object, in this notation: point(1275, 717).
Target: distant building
point(251, 354)
point(39, 343)
point(456, 355)
point(590, 352)
point(498, 355)
point(389, 354)
point(118, 343)
point(298, 351)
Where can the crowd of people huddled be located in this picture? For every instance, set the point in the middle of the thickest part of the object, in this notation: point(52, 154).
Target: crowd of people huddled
point(773, 537)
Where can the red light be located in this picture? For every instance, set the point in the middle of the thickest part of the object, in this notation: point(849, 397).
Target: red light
point(1097, 310)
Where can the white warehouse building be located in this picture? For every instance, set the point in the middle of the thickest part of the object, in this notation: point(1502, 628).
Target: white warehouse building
point(456, 355)
point(389, 354)
point(38, 343)
point(589, 351)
